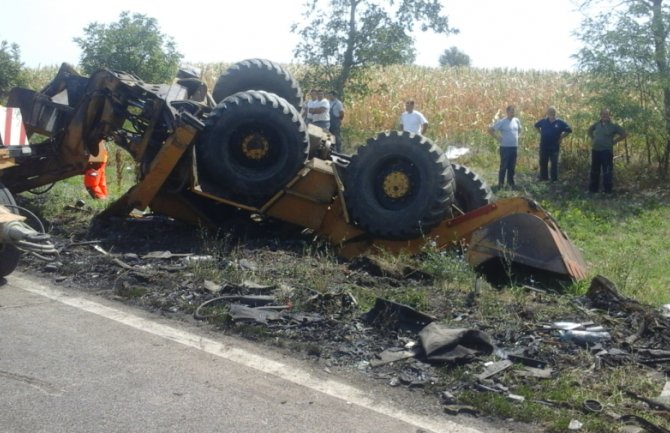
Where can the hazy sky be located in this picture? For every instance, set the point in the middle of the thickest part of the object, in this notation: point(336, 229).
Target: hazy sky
point(524, 34)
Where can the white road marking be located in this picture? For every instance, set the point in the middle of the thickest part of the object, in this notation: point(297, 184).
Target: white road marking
point(329, 387)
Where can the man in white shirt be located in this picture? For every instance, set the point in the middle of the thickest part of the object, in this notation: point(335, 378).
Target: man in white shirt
point(506, 131)
point(413, 121)
point(318, 110)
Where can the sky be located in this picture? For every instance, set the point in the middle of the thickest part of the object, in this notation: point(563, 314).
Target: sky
point(521, 34)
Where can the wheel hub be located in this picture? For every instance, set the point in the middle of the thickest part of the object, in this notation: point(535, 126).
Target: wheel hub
point(255, 146)
point(396, 184)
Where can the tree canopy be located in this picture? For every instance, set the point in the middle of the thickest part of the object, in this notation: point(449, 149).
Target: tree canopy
point(11, 67)
point(625, 56)
point(340, 38)
point(454, 57)
point(133, 44)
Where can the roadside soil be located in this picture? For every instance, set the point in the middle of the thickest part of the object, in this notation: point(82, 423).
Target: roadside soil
point(316, 307)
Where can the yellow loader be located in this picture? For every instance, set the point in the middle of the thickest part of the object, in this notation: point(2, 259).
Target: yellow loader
point(246, 146)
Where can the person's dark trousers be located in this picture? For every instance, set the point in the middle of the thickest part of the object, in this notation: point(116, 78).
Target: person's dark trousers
point(547, 157)
point(507, 165)
point(335, 130)
point(601, 161)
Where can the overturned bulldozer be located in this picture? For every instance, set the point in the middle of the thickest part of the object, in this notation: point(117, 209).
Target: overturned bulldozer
point(246, 146)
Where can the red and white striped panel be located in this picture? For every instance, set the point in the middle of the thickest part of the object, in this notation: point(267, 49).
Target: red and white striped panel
point(12, 131)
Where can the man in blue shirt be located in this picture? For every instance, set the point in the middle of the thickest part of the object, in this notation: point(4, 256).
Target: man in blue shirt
point(552, 131)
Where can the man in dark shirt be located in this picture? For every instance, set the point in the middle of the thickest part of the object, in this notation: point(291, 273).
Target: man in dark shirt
point(552, 131)
point(604, 135)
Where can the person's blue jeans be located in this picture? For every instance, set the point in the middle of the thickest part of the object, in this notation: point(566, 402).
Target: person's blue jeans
point(507, 165)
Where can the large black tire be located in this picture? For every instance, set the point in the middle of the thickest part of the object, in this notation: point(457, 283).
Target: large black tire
point(398, 186)
point(258, 74)
point(9, 255)
point(253, 144)
point(471, 190)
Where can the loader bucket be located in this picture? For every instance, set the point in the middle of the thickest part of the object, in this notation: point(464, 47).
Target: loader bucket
point(527, 241)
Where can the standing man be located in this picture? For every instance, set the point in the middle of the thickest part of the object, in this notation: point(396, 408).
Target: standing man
point(506, 131)
point(604, 135)
point(552, 131)
point(413, 121)
point(336, 116)
point(318, 110)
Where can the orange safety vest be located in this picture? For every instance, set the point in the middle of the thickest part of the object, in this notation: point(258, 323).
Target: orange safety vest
point(94, 176)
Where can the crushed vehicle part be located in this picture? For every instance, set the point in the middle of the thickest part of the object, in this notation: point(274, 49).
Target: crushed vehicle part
point(389, 314)
point(494, 368)
point(529, 362)
point(201, 162)
point(537, 373)
point(443, 344)
point(585, 338)
point(393, 355)
point(242, 313)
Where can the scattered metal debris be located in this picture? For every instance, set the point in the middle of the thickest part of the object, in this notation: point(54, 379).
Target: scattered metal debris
point(392, 315)
point(393, 355)
point(537, 373)
point(453, 409)
point(443, 344)
point(653, 404)
point(593, 406)
point(575, 425)
point(493, 368)
point(648, 426)
point(384, 342)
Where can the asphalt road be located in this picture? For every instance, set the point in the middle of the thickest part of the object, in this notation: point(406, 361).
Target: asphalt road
point(72, 363)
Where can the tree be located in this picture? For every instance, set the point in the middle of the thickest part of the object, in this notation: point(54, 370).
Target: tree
point(341, 38)
point(626, 59)
point(11, 68)
point(132, 44)
point(454, 57)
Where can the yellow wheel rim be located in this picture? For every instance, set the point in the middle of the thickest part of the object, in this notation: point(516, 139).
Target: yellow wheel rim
point(255, 146)
point(396, 184)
